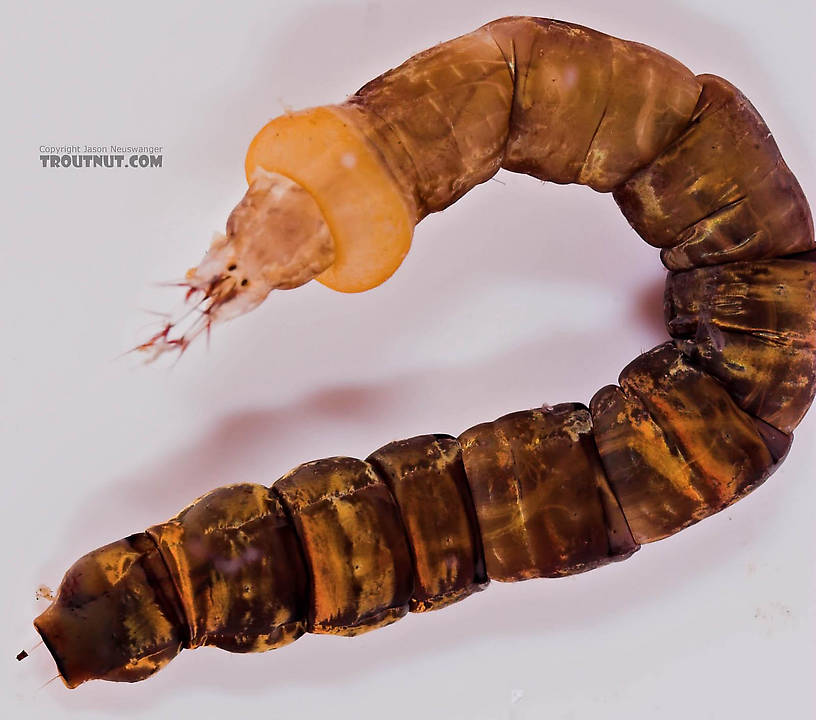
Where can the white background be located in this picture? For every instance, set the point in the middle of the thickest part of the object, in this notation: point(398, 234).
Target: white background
point(521, 293)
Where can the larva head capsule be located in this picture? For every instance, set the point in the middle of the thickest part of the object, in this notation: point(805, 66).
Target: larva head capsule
point(322, 204)
point(116, 615)
point(276, 239)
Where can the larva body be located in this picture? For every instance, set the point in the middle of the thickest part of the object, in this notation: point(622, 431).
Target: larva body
point(343, 545)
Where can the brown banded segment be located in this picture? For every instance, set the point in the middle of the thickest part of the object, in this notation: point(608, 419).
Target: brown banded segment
point(427, 478)
point(535, 477)
point(675, 446)
point(116, 615)
point(651, 480)
point(235, 559)
point(752, 325)
point(589, 108)
point(718, 439)
point(551, 99)
point(354, 542)
point(440, 119)
point(721, 192)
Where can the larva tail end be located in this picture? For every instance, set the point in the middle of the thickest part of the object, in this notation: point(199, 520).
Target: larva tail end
point(115, 617)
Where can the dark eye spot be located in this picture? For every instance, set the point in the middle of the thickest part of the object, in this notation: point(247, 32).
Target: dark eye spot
point(232, 267)
point(244, 282)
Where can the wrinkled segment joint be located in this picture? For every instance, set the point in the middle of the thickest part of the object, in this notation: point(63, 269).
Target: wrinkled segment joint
point(751, 325)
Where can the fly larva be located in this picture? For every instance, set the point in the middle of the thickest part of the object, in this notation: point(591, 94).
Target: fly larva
point(344, 546)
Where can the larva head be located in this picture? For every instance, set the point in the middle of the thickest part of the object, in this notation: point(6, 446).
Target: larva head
point(115, 616)
point(276, 239)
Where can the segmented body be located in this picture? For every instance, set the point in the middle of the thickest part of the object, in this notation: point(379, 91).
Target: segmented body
point(342, 545)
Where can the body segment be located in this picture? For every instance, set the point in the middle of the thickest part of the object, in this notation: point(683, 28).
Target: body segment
point(675, 446)
point(237, 568)
point(537, 481)
point(427, 478)
point(588, 107)
point(355, 546)
point(721, 192)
